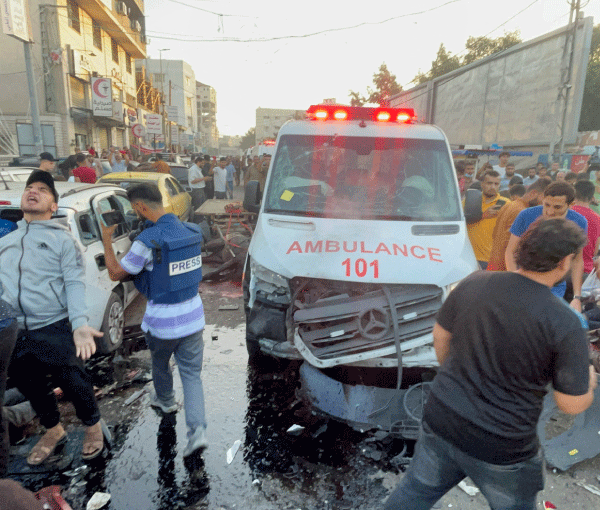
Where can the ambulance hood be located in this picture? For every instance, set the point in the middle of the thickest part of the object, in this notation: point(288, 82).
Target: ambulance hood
point(364, 251)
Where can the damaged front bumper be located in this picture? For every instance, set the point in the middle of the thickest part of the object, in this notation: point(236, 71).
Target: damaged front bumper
point(398, 412)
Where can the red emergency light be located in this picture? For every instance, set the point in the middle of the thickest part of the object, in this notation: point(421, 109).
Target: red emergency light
point(269, 142)
point(340, 112)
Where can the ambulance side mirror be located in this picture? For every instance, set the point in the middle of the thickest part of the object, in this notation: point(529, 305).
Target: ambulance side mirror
point(252, 197)
point(473, 210)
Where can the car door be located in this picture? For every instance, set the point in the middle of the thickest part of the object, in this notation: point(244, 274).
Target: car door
point(179, 198)
point(115, 201)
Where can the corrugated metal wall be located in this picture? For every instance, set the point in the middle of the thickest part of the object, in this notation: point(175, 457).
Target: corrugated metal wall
point(511, 98)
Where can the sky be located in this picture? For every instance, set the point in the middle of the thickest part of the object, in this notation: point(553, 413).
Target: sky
point(225, 42)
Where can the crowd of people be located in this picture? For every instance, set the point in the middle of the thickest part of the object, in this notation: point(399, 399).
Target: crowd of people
point(506, 334)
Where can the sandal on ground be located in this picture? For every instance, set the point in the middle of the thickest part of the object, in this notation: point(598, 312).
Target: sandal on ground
point(93, 438)
point(44, 448)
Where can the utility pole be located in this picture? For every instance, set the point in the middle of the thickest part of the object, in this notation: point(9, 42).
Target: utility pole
point(162, 93)
point(35, 110)
point(565, 87)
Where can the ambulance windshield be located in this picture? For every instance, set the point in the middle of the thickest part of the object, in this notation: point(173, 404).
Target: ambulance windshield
point(363, 178)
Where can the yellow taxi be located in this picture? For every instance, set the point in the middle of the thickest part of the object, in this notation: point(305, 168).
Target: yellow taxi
point(175, 199)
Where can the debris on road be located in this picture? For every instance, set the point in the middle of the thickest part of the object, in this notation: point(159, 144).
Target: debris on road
point(320, 430)
point(589, 488)
point(229, 307)
point(233, 450)
point(133, 397)
point(98, 500)
point(51, 498)
point(469, 489)
point(295, 430)
point(401, 459)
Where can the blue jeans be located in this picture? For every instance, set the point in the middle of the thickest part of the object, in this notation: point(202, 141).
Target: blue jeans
point(437, 466)
point(188, 355)
point(230, 189)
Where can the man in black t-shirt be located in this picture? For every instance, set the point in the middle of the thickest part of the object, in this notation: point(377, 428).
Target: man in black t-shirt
point(500, 338)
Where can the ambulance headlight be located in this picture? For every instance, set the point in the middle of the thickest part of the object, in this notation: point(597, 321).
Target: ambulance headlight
point(268, 276)
point(450, 288)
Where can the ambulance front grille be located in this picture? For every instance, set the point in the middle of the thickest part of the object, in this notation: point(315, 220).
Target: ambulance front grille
point(344, 325)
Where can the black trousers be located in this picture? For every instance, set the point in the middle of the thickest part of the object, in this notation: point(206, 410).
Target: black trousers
point(50, 351)
point(198, 198)
point(8, 337)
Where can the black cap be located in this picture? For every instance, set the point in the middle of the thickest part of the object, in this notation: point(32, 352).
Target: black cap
point(47, 156)
point(46, 178)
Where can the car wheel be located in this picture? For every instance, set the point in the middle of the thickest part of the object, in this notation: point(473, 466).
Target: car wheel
point(112, 325)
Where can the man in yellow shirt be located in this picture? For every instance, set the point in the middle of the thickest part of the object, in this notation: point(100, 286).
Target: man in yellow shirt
point(481, 232)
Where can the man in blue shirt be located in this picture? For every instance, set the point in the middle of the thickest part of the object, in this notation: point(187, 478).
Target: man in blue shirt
point(555, 204)
point(230, 177)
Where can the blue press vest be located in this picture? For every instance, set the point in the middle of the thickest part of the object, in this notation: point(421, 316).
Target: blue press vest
point(176, 257)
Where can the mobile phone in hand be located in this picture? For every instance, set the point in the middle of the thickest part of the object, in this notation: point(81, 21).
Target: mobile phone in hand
point(112, 218)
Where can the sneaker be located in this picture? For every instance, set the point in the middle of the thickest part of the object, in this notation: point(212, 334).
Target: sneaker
point(197, 441)
point(154, 402)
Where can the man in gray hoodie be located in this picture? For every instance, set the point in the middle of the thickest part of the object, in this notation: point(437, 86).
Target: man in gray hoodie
point(42, 278)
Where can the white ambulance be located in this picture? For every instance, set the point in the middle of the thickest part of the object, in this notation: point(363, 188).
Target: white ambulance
point(360, 238)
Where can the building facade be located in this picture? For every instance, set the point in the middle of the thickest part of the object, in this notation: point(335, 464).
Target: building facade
point(177, 81)
point(208, 133)
point(270, 120)
point(75, 42)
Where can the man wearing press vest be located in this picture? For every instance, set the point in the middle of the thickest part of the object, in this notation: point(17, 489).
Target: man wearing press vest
point(165, 261)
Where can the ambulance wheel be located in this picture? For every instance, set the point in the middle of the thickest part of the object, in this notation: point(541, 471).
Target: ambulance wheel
point(112, 325)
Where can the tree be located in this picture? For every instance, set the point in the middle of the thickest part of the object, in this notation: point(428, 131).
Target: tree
point(590, 109)
point(480, 47)
point(248, 140)
point(444, 63)
point(386, 86)
point(477, 47)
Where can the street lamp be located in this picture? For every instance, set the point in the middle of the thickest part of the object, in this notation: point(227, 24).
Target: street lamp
point(162, 91)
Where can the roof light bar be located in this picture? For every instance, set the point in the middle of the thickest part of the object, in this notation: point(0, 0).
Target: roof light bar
point(341, 113)
point(383, 116)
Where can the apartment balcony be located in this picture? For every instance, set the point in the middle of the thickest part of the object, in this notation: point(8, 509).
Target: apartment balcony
point(125, 22)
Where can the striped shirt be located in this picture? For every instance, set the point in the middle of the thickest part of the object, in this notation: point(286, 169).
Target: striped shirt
point(165, 321)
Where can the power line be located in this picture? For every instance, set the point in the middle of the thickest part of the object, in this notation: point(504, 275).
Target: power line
point(302, 36)
point(211, 12)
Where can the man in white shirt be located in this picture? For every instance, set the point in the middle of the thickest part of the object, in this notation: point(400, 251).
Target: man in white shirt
point(220, 179)
point(117, 163)
point(501, 166)
point(197, 183)
point(531, 177)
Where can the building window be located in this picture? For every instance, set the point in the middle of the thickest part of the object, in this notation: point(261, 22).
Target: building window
point(158, 78)
point(97, 35)
point(73, 13)
point(128, 62)
point(115, 50)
